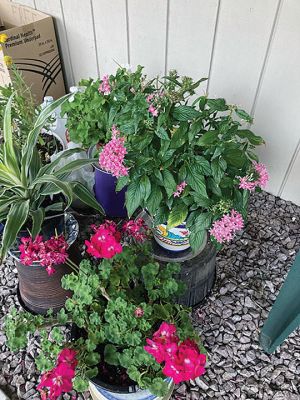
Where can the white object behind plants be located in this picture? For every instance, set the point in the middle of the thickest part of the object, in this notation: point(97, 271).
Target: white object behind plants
point(3, 396)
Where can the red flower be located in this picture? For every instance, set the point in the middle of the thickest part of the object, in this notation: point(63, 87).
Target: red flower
point(57, 381)
point(68, 356)
point(48, 253)
point(166, 334)
point(136, 229)
point(187, 363)
point(105, 242)
point(156, 350)
point(182, 361)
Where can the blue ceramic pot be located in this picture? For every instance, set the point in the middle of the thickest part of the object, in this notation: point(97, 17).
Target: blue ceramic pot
point(112, 202)
point(98, 392)
point(1, 227)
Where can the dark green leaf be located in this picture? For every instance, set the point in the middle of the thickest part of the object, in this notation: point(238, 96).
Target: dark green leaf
point(253, 139)
point(244, 115)
point(185, 113)
point(169, 182)
point(217, 105)
point(208, 138)
point(162, 133)
point(37, 220)
point(177, 215)
point(154, 199)
point(195, 179)
point(134, 197)
point(122, 182)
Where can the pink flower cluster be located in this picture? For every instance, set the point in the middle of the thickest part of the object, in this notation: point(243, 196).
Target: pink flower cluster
point(179, 189)
point(136, 229)
point(247, 182)
point(183, 361)
point(138, 312)
point(152, 109)
point(59, 379)
point(225, 228)
point(47, 253)
point(104, 86)
point(112, 156)
point(105, 242)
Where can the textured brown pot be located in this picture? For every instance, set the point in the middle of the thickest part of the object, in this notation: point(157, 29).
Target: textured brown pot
point(38, 291)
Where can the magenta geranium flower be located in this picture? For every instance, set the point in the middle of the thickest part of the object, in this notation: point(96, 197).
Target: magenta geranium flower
point(47, 253)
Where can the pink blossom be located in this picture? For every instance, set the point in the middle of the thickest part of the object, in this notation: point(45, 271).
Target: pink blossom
point(248, 183)
point(187, 363)
point(153, 110)
point(225, 228)
point(263, 174)
point(68, 356)
point(104, 86)
point(149, 98)
point(105, 242)
point(182, 361)
point(57, 381)
point(156, 350)
point(138, 312)
point(166, 334)
point(179, 189)
point(136, 229)
point(47, 253)
point(112, 156)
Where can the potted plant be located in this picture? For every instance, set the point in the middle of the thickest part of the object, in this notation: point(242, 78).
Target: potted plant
point(192, 166)
point(33, 194)
point(130, 337)
point(91, 114)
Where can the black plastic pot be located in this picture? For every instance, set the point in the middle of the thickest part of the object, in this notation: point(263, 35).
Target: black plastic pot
point(198, 271)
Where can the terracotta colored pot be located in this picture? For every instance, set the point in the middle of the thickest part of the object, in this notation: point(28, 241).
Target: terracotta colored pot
point(38, 292)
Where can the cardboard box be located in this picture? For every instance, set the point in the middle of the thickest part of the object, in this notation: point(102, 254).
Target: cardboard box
point(32, 45)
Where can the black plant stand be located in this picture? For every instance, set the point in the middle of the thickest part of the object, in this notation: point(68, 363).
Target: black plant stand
point(198, 271)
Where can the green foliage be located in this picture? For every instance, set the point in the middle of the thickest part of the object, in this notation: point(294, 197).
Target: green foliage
point(25, 184)
point(105, 297)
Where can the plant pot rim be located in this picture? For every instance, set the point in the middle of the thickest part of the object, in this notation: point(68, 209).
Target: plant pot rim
point(70, 222)
point(119, 389)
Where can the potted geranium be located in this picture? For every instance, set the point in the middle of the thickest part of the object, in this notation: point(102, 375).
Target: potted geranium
point(35, 197)
point(128, 336)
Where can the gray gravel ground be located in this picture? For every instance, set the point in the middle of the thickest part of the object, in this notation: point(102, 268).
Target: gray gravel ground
point(250, 273)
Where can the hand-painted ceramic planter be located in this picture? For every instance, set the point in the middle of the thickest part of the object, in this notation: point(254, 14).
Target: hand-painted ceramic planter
point(174, 239)
point(38, 292)
point(98, 392)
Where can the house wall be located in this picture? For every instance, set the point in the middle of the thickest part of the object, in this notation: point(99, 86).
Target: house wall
point(249, 50)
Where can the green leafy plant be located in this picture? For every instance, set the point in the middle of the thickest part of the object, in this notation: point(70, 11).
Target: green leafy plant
point(91, 114)
point(23, 108)
point(116, 305)
point(185, 159)
point(25, 184)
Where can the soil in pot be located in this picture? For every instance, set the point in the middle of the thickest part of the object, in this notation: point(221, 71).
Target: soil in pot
point(48, 145)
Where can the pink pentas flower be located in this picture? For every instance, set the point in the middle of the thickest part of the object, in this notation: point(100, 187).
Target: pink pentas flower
point(179, 189)
point(225, 228)
point(249, 183)
point(112, 156)
point(152, 110)
point(104, 86)
point(263, 175)
point(149, 98)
